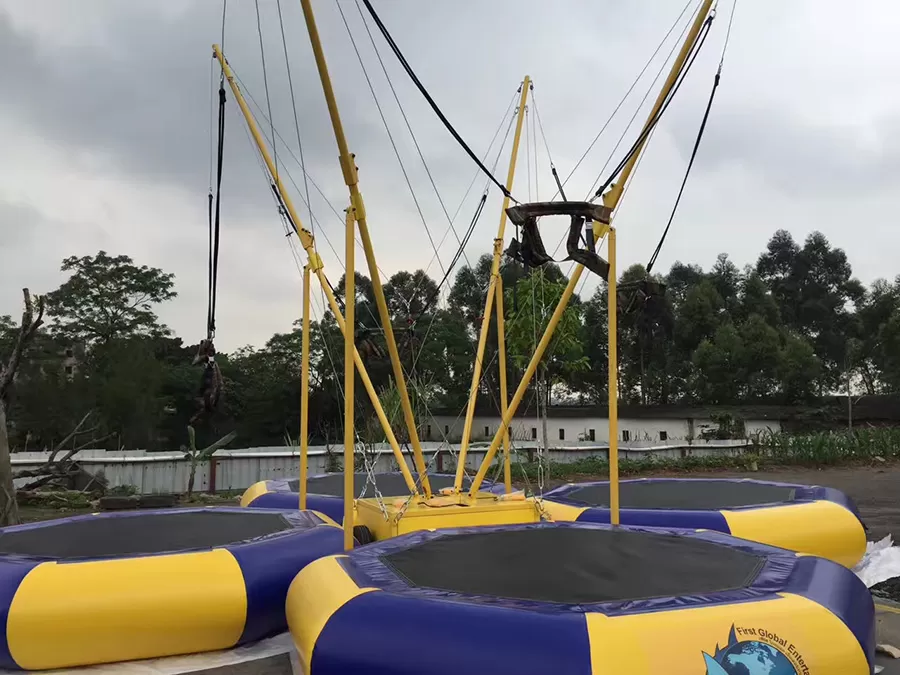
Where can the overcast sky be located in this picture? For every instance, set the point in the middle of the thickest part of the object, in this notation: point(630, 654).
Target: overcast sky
point(105, 121)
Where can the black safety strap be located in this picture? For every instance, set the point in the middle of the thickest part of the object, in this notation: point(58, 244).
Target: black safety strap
point(712, 95)
point(648, 129)
point(434, 106)
point(559, 184)
point(214, 222)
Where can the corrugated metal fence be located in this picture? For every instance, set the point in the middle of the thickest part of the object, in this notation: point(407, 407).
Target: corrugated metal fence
point(167, 472)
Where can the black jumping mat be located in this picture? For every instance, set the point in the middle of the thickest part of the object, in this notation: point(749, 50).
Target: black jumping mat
point(122, 536)
point(694, 494)
point(389, 484)
point(574, 565)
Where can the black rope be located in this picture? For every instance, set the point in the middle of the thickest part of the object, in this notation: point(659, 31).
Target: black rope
point(465, 240)
point(537, 114)
point(222, 40)
point(262, 54)
point(622, 101)
point(287, 64)
point(695, 50)
point(214, 223)
point(712, 95)
point(434, 106)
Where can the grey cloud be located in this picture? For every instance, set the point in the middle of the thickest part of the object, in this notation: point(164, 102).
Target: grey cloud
point(132, 95)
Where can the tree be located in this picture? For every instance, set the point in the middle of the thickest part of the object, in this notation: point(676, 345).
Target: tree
point(814, 289)
point(108, 297)
point(876, 356)
point(565, 354)
point(799, 369)
point(720, 366)
point(593, 381)
point(28, 327)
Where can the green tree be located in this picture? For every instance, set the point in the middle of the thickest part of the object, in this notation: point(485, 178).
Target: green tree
point(816, 293)
point(799, 369)
point(720, 366)
point(593, 381)
point(109, 297)
point(565, 354)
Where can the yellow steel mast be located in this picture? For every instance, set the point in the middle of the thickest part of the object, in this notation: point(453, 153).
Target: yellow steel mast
point(349, 169)
point(495, 292)
point(304, 390)
point(349, 376)
point(315, 266)
point(611, 200)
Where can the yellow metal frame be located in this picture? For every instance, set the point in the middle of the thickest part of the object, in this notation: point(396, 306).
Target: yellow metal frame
point(315, 265)
point(304, 391)
point(474, 507)
point(495, 291)
point(351, 178)
point(610, 199)
point(349, 376)
point(393, 519)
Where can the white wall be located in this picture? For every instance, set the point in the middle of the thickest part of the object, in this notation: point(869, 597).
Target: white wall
point(578, 428)
point(151, 472)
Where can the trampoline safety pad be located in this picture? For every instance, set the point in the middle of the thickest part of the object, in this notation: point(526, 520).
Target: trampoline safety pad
point(689, 495)
point(580, 599)
point(325, 493)
point(113, 587)
point(805, 518)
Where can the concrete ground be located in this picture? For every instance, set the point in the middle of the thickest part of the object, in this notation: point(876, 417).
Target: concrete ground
point(888, 631)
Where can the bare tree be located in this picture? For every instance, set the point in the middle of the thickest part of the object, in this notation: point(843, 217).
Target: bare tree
point(58, 473)
point(31, 321)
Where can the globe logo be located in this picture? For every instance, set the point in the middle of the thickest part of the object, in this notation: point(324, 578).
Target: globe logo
point(749, 657)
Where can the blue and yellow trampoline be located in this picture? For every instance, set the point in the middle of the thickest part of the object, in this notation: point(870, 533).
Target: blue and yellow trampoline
point(114, 587)
point(579, 599)
point(325, 493)
point(810, 519)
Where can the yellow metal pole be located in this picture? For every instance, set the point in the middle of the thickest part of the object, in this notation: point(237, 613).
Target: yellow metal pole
point(526, 379)
point(304, 390)
point(315, 264)
point(370, 389)
point(611, 199)
point(349, 377)
point(615, 193)
point(489, 299)
point(348, 166)
point(613, 384)
point(501, 357)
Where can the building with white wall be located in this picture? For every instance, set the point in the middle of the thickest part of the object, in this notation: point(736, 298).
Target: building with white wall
point(579, 424)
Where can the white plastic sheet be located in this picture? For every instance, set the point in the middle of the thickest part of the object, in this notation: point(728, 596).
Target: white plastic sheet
point(180, 665)
point(880, 563)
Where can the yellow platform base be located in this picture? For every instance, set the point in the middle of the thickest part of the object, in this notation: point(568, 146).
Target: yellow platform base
point(443, 512)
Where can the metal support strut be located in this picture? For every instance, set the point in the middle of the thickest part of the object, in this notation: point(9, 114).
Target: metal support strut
point(599, 229)
point(348, 166)
point(315, 265)
point(492, 293)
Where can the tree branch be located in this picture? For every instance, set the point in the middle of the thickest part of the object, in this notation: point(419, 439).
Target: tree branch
point(75, 432)
point(27, 330)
